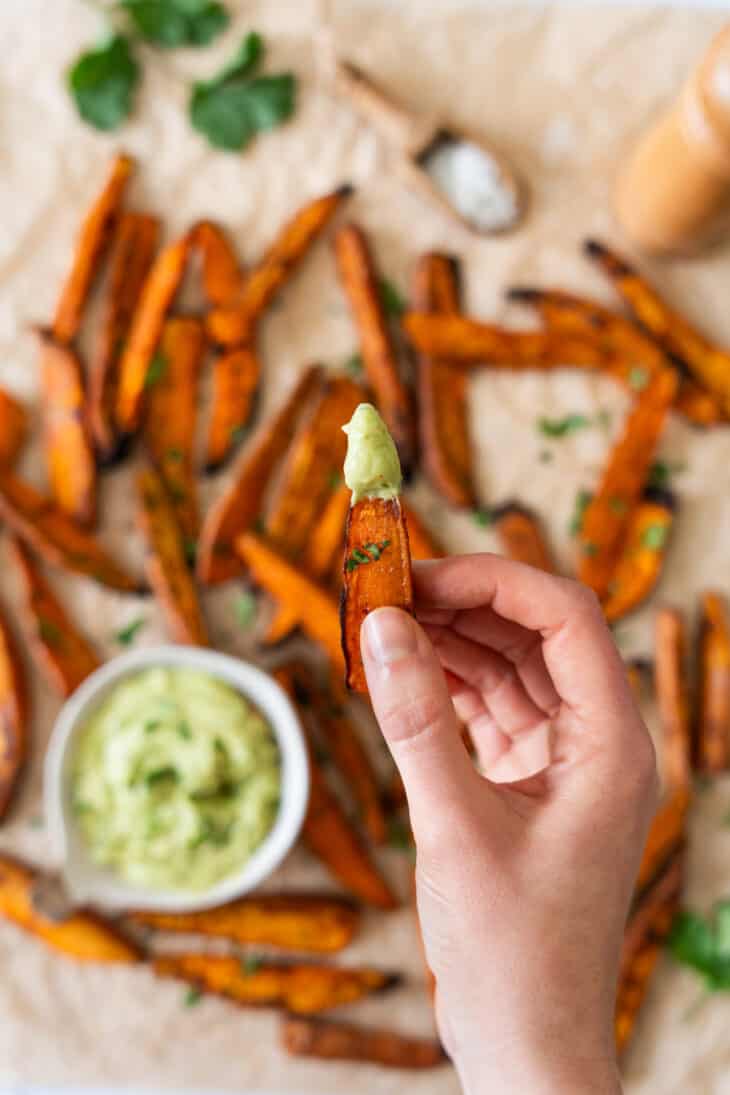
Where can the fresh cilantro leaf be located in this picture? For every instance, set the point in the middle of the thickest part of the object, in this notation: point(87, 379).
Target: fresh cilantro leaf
point(391, 299)
point(172, 23)
point(583, 500)
point(561, 427)
point(192, 997)
point(245, 607)
point(127, 635)
point(483, 517)
point(638, 378)
point(704, 944)
point(369, 553)
point(654, 537)
point(354, 365)
point(103, 81)
point(661, 472)
point(156, 371)
point(234, 106)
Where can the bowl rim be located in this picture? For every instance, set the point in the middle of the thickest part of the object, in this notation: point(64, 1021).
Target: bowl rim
point(88, 883)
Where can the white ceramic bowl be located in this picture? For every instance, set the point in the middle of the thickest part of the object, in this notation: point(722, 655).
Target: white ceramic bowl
point(87, 882)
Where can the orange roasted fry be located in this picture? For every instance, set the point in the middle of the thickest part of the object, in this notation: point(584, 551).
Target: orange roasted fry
point(337, 1041)
point(636, 356)
point(648, 926)
point(240, 504)
point(235, 383)
point(133, 249)
point(170, 418)
point(713, 714)
point(234, 323)
point(422, 543)
point(324, 548)
point(302, 988)
point(62, 653)
point(642, 557)
point(83, 935)
point(314, 460)
point(69, 453)
point(221, 272)
point(166, 562)
point(443, 421)
point(666, 836)
point(93, 238)
point(286, 583)
point(609, 513)
point(296, 922)
point(376, 572)
point(672, 693)
point(392, 398)
point(469, 343)
point(13, 428)
point(14, 708)
point(55, 537)
point(348, 753)
point(329, 833)
point(709, 364)
point(521, 537)
point(136, 370)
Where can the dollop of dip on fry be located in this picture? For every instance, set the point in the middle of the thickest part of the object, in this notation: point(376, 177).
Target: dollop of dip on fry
point(372, 467)
point(175, 780)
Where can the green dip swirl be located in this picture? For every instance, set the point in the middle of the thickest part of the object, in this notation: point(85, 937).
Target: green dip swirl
point(176, 780)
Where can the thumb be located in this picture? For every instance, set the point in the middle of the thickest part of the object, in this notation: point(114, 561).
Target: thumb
point(414, 710)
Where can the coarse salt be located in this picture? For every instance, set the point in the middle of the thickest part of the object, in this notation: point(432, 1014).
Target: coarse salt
point(473, 183)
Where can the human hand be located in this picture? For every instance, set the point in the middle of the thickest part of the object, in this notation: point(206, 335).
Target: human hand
point(524, 874)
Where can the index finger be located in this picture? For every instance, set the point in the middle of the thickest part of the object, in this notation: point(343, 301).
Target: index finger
point(579, 652)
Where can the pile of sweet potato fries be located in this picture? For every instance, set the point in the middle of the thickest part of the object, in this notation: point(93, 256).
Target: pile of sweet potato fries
point(280, 523)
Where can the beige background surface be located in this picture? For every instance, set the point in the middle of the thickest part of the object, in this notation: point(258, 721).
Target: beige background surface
point(562, 91)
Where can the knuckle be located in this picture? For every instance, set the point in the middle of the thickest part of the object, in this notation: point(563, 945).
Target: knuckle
point(584, 598)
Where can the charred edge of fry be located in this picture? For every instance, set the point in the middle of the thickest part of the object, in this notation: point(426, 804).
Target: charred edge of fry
point(337, 1041)
point(14, 711)
point(594, 249)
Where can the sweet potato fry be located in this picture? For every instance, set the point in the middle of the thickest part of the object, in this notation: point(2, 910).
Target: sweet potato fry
point(315, 458)
point(62, 653)
point(69, 453)
point(285, 582)
point(170, 418)
point(83, 936)
point(222, 274)
point(302, 988)
point(135, 241)
point(636, 357)
point(709, 364)
point(166, 562)
point(233, 324)
point(521, 537)
point(240, 505)
point(94, 235)
point(291, 921)
point(324, 548)
point(642, 557)
point(443, 421)
point(235, 383)
point(55, 537)
point(421, 541)
point(648, 927)
point(14, 707)
point(376, 572)
point(713, 727)
point(610, 511)
point(666, 837)
point(467, 342)
point(336, 1041)
point(360, 282)
point(672, 693)
point(13, 428)
point(343, 743)
point(158, 293)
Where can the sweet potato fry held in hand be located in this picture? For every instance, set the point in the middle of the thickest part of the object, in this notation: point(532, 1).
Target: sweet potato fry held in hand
point(335, 1041)
point(377, 563)
point(14, 708)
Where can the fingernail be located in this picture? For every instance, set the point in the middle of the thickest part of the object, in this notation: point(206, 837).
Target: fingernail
point(390, 635)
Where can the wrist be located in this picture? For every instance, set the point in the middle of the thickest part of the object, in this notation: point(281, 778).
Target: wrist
point(518, 1071)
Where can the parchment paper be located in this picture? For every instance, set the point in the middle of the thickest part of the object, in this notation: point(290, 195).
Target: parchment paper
point(561, 91)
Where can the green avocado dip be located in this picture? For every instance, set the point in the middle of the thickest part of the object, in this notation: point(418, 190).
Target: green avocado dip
point(175, 780)
point(372, 467)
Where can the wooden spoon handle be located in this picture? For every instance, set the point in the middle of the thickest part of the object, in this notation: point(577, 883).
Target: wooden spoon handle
point(389, 118)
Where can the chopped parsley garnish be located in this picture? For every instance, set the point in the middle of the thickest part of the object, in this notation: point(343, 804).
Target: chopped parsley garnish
point(50, 632)
point(704, 945)
point(156, 371)
point(245, 607)
point(334, 480)
point(617, 505)
point(638, 378)
point(193, 997)
point(661, 472)
point(400, 836)
point(583, 500)
point(590, 549)
point(654, 537)
point(354, 365)
point(126, 635)
point(175, 454)
point(369, 553)
point(190, 547)
point(251, 963)
point(238, 433)
point(562, 427)
point(392, 300)
point(483, 517)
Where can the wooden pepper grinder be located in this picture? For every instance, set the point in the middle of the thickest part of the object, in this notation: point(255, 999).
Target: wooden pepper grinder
point(673, 194)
